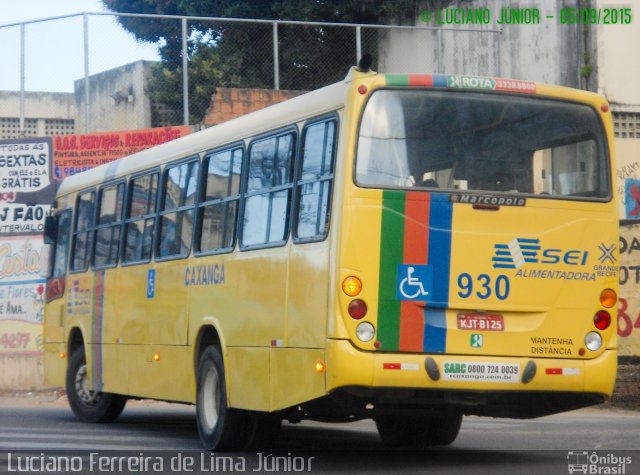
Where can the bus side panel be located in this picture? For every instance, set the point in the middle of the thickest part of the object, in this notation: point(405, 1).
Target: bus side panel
point(168, 309)
point(295, 377)
point(307, 301)
point(54, 366)
point(247, 372)
point(133, 304)
point(160, 371)
point(115, 370)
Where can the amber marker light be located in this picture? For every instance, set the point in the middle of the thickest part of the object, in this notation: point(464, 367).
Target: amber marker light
point(351, 286)
point(608, 298)
point(156, 357)
point(320, 367)
point(62, 355)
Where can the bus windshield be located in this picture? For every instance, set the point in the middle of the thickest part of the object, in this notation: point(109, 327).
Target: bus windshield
point(482, 143)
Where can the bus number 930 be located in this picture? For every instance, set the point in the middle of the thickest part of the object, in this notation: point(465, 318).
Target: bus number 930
point(484, 286)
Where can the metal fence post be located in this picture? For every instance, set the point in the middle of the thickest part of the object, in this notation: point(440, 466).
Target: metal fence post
point(439, 66)
point(358, 44)
point(22, 76)
point(185, 73)
point(276, 60)
point(87, 115)
point(498, 68)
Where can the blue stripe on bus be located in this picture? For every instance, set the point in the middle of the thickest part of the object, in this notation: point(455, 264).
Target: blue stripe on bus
point(435, 330)
point(440, 221)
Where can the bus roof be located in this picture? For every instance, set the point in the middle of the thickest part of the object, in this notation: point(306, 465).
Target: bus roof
point(307, 105)
point(299, 108)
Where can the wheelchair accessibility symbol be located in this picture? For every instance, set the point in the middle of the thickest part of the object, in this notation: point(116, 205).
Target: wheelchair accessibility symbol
point(413, 282)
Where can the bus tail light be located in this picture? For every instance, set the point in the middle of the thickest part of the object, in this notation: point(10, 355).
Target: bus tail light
point(357, 309)
point(351, 286)
point(602, 320)
point(365, 332)
point(608, 298)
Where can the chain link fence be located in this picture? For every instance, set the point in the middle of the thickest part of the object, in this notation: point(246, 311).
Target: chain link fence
point(202, 59)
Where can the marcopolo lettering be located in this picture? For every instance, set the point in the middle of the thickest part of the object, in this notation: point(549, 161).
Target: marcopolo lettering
point(488, 200)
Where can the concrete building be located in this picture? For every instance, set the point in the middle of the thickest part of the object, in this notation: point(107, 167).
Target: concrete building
point(118, 99)
point(46, 113)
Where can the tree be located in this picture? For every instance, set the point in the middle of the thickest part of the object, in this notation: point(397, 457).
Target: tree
point(240, 54)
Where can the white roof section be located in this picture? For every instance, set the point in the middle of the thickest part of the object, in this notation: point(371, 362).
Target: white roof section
point(299, 108)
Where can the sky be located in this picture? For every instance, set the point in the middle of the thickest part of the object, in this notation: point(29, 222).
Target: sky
point(54, 55)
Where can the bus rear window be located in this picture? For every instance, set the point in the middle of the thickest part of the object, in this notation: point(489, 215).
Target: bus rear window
point(482, 143)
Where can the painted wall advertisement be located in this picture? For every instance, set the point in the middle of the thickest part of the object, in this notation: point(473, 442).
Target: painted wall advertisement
point(21, 294)
point(629, 306)
point(30, 169)
point(26, 194)
point(77, 153)
point(628, 171)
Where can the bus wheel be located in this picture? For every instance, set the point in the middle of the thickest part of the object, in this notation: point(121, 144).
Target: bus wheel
point(88, 405)
point(396, 431)
point(442, 429)
point(266, 430)
point(219, 426)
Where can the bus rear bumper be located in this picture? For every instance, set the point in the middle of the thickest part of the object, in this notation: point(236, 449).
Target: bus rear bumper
point(476, 382)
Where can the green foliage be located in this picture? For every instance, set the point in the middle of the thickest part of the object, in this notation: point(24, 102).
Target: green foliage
point(241, 54)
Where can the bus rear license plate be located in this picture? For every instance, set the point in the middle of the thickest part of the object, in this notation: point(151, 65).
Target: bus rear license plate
point(480, 321)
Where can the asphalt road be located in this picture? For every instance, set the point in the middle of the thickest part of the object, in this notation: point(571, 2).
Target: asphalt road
point(148, 430)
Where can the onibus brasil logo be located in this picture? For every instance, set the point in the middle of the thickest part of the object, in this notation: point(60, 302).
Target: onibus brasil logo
point(586, 462)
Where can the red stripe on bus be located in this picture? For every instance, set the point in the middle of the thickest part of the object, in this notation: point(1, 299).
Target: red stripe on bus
point(420, 80)
point(416, 246)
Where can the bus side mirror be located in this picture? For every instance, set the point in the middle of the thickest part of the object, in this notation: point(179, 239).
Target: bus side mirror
point(50, 229)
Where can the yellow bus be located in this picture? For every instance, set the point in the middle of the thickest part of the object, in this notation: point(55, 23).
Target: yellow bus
point(404, 248)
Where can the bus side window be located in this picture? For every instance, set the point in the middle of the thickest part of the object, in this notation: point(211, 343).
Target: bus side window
point(176, 216)
point(140, 218)
point(109, 225)
point(220, 198)
point(269, 184)
point(83, 231)
point(61, 249)
point(313, 188)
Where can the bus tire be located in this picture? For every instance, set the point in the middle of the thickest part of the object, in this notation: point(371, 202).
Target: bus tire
point(88, 405)
point(219, 426)
point(420, 431)
point(396, 431)
point(443, 429)
point(266, 430)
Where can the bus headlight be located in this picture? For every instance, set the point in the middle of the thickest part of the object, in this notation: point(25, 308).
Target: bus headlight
point(365, 332)
point(593, 341)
